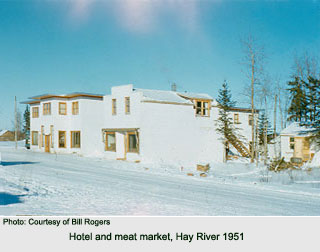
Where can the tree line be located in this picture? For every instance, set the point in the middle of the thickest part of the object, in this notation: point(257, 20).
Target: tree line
point(295, 100)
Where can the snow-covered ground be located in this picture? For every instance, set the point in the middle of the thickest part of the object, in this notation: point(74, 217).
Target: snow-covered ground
point(48, 184)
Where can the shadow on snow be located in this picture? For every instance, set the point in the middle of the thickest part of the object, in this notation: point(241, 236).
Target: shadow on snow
point(8, 198)
point(3, 163)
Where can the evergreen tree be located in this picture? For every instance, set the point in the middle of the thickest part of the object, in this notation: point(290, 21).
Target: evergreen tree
point(305, 103)
point(264, 128)
point(312, 99)
point(305, 94)
point(297, 109)
point(26, 120)
point(225, 126)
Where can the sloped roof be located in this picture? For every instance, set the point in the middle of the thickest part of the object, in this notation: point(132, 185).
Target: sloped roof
point(296, 129)
point(162, 96)
point(196, 96)
point(2, 132)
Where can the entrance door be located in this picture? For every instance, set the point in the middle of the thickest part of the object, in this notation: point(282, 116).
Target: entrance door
point(120, 145)
point(47, 143)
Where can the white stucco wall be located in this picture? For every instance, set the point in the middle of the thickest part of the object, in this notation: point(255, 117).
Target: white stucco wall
point(286, 152)
point(87, 122)
point(168, 133)
point(121, 119)
point(174, 134)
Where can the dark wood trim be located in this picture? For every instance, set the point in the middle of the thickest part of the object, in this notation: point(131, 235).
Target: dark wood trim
point(164, 102)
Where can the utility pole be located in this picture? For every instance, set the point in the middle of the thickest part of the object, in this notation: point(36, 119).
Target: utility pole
point(275, 117)
point(275, 124)
point(252, 108)
point(265, 141)
point(15, 122)
point(280, 111)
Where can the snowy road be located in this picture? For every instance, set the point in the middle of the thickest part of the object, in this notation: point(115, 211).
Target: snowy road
point(47, 184)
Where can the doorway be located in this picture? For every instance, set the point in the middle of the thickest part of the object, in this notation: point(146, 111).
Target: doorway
point(47, 143)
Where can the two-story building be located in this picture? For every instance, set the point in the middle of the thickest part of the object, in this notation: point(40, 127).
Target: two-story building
point(136, 125)
point(67, 123)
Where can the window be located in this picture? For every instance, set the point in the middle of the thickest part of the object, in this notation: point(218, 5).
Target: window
point(250, 120)
point(236, 118)
point(42, 136)
point(62, 108)
point(110, 141)
point(34, 136)
point(114, 106)
point(75, 139)
point(202, 108)
point(291, 144)
point(35, 112)
point(47, 108)
point(132, 142)
point(127, 105)
point(75, 108)
point(62, 139)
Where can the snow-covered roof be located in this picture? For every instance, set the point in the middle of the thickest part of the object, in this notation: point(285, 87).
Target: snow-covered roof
point(196, 96)
point(2, 132)
point(296, 129)
point(162, 96)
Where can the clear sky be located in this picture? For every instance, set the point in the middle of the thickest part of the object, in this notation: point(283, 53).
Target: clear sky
point(89, 45)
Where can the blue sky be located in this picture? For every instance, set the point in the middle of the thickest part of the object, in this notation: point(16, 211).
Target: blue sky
point(87, 45)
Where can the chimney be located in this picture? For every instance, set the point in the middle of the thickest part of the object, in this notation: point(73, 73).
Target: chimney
point(174, 87)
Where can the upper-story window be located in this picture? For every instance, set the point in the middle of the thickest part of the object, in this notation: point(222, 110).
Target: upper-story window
point(62, 108)
point(250, 120)
point(47, 108)
point(127, 105)
point(35, 112)
point(75, 108)
point(202, 108)
point(114, 106)
point(236, 118)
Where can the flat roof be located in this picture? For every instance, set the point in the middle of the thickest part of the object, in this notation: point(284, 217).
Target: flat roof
point(70, 95)
point(36, 99)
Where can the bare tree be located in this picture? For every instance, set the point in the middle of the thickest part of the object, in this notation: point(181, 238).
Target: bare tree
point(253, 62)
point(17, 124)
point(264, 94)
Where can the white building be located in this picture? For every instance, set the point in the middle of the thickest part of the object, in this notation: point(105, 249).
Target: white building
point(135, 125)
point(68, 123)
point(295, 142)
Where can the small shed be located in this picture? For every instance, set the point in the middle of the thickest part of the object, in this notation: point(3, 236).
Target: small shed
point(296, 142)
point(6, 135)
